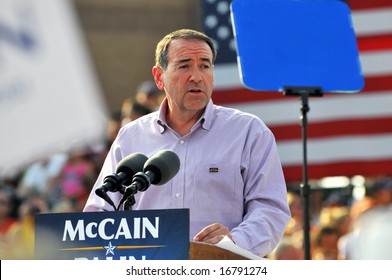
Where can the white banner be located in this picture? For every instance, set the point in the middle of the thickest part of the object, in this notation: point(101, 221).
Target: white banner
point(49, 99)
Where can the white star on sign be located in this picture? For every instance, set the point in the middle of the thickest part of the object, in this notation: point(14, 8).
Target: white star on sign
point(110, 248)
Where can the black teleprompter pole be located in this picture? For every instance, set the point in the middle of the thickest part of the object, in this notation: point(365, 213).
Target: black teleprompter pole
point(304, 93)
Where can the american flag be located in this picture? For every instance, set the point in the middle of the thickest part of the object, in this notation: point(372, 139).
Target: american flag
point(348, 135)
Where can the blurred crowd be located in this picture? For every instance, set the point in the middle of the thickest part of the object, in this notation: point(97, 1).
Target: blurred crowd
point(342, 227)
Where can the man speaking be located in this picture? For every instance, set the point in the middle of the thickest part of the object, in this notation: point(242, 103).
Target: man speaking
point(230, 175)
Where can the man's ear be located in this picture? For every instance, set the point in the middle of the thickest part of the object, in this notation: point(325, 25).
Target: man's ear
point(157, 72)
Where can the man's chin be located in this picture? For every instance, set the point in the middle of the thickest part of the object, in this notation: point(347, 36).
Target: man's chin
point(197, 103)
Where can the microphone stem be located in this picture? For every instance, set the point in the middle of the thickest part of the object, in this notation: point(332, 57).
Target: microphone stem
point(129, 203)
point(140, 182)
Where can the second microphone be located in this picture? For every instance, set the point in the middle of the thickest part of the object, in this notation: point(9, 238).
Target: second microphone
point(158, 170)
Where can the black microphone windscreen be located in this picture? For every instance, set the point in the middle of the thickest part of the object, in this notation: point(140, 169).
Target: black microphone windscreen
point(130, 165)
point(164, 164)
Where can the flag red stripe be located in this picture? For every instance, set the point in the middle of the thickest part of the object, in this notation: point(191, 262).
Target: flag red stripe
point(378, 83)
point(243, 95)
point(370, 4)
point(347, 168)
point(375, 42)
point(368, 126)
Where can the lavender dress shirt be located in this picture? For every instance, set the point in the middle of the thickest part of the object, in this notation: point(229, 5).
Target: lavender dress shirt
point(230, 173)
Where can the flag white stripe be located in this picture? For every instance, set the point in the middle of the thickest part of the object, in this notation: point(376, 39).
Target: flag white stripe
point(376, 63)
point(372, 22)
point(227, 76)
point(336, 149)
point(364, 105)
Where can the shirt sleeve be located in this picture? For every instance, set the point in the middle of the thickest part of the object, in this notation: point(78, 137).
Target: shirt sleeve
point(266, 210)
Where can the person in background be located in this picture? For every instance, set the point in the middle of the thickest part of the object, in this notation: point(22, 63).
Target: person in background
point(373, 238)
point(148, 95)
point(375, 204)
point(8, 215)
point(326, 244)
point(113, 127)
point(295, 225)
point(100, 151)
point(132, 110)
point(380, 192)
point(77, 176)
point(42, 175)
point(20, 237)
point(287, 249)
point(230, 178)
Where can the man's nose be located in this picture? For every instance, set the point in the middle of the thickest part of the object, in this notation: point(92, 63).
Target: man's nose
point(196, 75)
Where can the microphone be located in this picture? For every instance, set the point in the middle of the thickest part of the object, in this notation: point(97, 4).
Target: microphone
point(125, 170)
point(158, 170)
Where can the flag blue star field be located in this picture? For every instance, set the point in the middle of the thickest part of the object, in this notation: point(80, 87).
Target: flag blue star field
point(348, 134)
point(217, 25)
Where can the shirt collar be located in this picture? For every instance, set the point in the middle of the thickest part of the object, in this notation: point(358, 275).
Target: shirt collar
point(205, 119)
point(162, 116)
point(207, 116)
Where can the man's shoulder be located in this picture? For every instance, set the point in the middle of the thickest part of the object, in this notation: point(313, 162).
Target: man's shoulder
point(235, 114)
point(238, 119)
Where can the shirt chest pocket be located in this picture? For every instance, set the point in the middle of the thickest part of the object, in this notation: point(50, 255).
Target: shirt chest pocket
point(217, 186)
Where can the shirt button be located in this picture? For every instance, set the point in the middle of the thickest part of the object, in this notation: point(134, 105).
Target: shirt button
point(178, 195)
point(182, 141)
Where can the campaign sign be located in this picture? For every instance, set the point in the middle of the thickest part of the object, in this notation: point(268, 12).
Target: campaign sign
point(116, 235)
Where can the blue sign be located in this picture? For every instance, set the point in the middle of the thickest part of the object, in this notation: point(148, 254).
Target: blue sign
point(117, 235)
point(290, 43)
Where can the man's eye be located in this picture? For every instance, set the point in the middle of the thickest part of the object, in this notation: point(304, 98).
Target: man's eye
point(184, 66)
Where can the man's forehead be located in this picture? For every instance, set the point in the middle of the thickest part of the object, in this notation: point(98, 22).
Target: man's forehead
point(180, 49)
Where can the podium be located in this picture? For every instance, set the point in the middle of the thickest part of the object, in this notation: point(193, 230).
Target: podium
point(121, 235)
point(205, 251)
